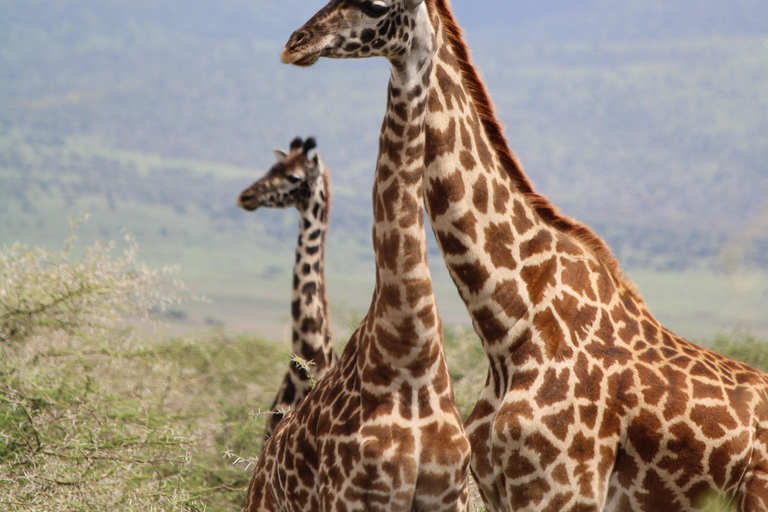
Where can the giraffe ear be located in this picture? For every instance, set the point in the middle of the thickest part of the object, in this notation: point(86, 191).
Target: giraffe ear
point(315, 166)
point(279, 154)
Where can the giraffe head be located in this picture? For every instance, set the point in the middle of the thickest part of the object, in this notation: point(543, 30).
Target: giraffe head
point(289, 182)
point(355, 29)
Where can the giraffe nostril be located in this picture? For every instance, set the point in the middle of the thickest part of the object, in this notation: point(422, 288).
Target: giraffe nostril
point(299, 37)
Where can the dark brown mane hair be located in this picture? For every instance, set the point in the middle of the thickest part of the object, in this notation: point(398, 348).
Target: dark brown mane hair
point(327, 186)
point(493, 129)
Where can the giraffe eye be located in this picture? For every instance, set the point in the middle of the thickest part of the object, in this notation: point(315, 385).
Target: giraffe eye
point(374, 9)
point(293, 178)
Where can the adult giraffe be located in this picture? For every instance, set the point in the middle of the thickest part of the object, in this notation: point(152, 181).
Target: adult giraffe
point(302, 182)
point(381, 431)
point(589, 404)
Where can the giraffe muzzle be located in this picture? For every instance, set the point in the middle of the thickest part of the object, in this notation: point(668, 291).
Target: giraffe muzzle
point(295, 51)
point(247, 202)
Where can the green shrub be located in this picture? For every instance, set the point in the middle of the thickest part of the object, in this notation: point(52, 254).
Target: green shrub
point(67, 441)
point(93, 416)
point(742, 346)
point(69, 445)
point(45, 292)
point(144, 425)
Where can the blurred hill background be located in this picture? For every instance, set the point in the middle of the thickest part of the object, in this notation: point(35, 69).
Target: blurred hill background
point(647, 120)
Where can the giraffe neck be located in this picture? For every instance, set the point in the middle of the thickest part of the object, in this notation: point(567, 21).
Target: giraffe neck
point(504, 245)
point(403, 312)
point(310, 324)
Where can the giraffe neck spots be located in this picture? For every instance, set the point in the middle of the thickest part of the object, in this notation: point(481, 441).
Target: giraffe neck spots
point(309, 305)
point(488, 224)
point(404, 309)
point(589, 404)
point(471, 174)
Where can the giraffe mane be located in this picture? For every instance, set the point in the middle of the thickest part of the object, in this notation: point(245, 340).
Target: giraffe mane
point(549, 213)
point(327, 186)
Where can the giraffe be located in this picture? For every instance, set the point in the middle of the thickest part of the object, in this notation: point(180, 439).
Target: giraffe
point(298, 181)
point(589, 402)
point(381, 431)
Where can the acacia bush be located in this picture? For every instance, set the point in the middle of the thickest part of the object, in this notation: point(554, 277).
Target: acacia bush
point(43, 292)
point(67, 442)
point(95, 415)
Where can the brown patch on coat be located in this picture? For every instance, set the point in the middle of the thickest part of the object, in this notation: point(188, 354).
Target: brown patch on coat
point(472, 275)
point(578, 317)
point(560, 422)
point(539, 278)
point(552, 335)
point(498, 240)
point(577, 276)
point(439, 142)
point(507, 296)
point(539, 244)
point(554, 389)
point(480, 195)
point(466, 225)
point(444, 192)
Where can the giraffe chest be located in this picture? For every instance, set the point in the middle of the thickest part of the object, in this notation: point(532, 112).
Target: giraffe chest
point(345, 449)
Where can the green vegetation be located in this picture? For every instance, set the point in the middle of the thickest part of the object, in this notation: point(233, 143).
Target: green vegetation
point(743, 347)
point(46, 292)
point(137, 424)
point(467, 366)
point(95, 415)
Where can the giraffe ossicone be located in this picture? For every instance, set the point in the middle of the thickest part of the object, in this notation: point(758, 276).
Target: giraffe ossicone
point(381, 431)
point(300, 181)
point(590, 403)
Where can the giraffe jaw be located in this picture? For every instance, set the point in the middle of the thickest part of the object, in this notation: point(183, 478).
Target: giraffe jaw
point(302, 59)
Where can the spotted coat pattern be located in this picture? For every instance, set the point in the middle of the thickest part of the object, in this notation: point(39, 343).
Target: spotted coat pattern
point(303, 183)
point(589, 403)
point(381, 431)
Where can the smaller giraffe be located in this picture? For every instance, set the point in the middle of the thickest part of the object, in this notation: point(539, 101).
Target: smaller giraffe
point(298, 181)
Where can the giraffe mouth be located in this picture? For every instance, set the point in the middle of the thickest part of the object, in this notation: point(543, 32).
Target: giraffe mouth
point(248, 204)
point(307, 60)
point(303, 59)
